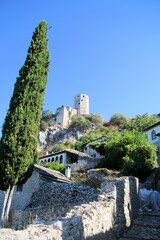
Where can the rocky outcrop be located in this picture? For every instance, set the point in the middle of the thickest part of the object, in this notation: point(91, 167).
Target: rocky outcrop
point(55, 135)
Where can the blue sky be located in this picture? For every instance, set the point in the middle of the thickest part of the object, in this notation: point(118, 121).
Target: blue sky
point(107, 49)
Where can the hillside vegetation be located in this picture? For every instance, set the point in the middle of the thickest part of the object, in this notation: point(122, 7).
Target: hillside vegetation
point(125, 146)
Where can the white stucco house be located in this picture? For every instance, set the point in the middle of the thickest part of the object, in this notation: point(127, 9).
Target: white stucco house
point(67, 156)
point(71, 157)
point(92, 152)
point(153, 135)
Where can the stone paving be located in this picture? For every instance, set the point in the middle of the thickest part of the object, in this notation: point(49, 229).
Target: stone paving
point(146, 226)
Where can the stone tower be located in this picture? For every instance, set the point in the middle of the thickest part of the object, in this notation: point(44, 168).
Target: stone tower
point(81, 103)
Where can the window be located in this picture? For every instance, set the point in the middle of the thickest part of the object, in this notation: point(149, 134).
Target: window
point(57, 159)
point(61, 159)
point(157, 150)
point(52, 159)
point(20, 188)
point(49, 160)
point(153, 134)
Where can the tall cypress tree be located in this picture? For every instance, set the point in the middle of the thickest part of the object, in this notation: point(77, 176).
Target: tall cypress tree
point(20, 130)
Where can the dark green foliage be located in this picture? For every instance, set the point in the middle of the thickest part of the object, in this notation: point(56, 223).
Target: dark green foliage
point(99, 132)
point(47, 120)
point(141, 122)
point(43, 125)
point(87, 138)
point(69, 144)
point(95, 118)
point(118, 120)
point(129, 151)
point(55, 166)
point(57, 148)
point(46, 114)
point(80, 123)
point(139, 161)
point(20, 130)
point(61, 146)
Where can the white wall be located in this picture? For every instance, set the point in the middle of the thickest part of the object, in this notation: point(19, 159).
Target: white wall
point(22, 198)
point(54, 158)
point(149, 134)
point(91, 152)
point(81, 103)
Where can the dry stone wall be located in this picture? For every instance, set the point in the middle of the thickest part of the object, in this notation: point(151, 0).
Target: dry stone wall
point(52, 201)
point(103, 218)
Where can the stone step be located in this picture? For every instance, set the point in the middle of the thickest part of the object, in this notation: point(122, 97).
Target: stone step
point(143, 232)
point(148, 220)
point(145, 227)
point(138, 238)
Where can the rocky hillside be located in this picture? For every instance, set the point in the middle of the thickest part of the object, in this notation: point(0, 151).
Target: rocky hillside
point(56, 135)
point(52, 134)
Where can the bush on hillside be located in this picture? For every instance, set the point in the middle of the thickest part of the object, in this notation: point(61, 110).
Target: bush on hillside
point(140, 122)
point(129, 151)
point(43, 126)
point(139, 161)
point(80, 123)
point(118, 120)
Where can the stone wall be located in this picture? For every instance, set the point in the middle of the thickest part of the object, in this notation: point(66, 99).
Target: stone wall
point(81, 103)
point(84, 164)
point(51, 201)
point(22, 198)
point(102, 218)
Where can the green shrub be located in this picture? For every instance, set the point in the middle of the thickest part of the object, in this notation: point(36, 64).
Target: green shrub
point(129, 151)
point(43, 125)
point(55, 166)
point(139, 161)
point(80, 123)
point(58, 148)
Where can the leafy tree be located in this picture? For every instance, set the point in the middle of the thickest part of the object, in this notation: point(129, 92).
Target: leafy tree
point(139, 160)
point(87, 138)
point(80, 123)
point(46, 114)
point(69, 144)
point(58, 148)
point(95, 118)
point(99, 132)
point(141, 122)
point(61, 146)
point(118, 120)
point(127, 150)
point(20, 130)
point(43, 125)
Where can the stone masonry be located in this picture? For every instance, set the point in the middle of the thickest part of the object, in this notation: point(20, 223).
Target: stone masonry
point(103, 217)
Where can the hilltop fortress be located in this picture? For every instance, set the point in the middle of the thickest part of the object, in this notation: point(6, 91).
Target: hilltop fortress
point(64, 114)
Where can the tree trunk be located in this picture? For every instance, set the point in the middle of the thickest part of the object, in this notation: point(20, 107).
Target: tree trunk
point(6, 205)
